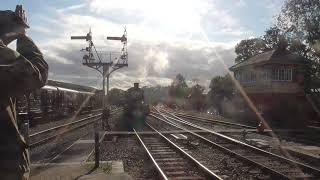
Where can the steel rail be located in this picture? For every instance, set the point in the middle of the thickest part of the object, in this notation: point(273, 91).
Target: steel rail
point(199, 164)
point(151, 157)
point(244, 144)
point(204, 119)
point(42, 141)
point(68, 124)
point(264, 168)
point(96, 110)
point(207, 171)
point(292, 162)
point(63, 125)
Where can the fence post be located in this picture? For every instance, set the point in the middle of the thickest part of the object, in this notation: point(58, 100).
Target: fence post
point(96, 148)
point(24, 126)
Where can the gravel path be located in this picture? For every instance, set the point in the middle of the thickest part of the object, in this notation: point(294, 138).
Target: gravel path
point(135, 160)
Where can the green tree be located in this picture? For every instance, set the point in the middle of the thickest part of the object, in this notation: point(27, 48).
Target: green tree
point(178, 91)
point(179, 87)
point(197, 98)
point(116, 96)
point(220, 88)
point(297, 29)
point(300, 20)
point(272, 37)
point(248, 48)
point(155, 95)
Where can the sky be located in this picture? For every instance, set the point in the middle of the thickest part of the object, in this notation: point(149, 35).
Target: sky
point(165, 37)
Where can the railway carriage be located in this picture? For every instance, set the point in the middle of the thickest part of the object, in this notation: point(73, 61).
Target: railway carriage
point(53, 101)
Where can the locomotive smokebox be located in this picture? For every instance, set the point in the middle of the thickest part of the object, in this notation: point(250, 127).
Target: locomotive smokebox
point(136, 85)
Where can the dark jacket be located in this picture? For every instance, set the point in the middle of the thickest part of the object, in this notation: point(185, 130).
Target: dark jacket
point(21, 71)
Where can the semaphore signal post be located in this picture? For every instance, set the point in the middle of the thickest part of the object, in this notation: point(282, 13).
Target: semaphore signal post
point(104, 64)
point(103, 61)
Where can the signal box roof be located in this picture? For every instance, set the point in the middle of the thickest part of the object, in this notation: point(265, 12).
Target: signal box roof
point(271, 57)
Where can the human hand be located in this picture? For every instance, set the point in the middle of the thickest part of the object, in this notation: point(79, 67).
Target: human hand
point(11, 26)
point(11, 36)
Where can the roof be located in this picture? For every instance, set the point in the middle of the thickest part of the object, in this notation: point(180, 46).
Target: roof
point(56, 88)
point(71, 86)
point(273, 56)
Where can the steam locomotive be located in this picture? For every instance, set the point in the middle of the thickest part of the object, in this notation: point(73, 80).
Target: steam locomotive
point(135, 109)
point(52, 102)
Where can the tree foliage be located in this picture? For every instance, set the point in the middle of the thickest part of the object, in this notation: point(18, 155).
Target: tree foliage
point(116, 96)
point(301, 18)
point(297, 29)
point(155, 95)
point(300, 21)
point(220, 88)
point(272, 39)
point(248, 48)
point(197, 98)
point(179, 87)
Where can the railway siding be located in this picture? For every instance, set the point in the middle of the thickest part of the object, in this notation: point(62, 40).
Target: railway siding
point(276, 165)
point(173, 161)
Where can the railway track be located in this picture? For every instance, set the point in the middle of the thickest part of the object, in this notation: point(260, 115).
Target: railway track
point(172, 161)
point(210, 120)
point(46, 135)
point(278, 167)
point(307, 137)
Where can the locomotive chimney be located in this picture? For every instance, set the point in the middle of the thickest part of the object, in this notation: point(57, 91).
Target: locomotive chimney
point(136, 85)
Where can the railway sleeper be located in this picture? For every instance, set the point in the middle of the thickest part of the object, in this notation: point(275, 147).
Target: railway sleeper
point(173, 168)
point(161, 150)
point(156, 144)
point(175, 173)
point(169, 159)
point(299, 175)
point(172, 163)
point(164, 153)
point(165, 156)
point(162, 147)
point(188, 178)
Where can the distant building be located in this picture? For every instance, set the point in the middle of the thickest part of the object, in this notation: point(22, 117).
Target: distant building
point(273, 81)
point(72, 86)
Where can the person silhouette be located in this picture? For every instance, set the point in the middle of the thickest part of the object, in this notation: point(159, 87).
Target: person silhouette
point(21, 71)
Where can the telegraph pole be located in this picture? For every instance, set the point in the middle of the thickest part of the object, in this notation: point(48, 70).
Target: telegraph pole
point(103, 66)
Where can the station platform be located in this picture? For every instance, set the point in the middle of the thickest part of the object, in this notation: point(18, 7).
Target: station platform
point(73, 163)
point(109, 170)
